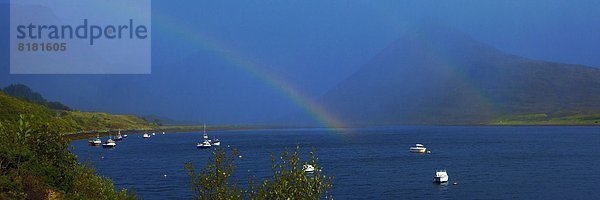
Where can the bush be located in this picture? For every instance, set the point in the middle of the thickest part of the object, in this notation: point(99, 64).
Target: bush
point(289, 180)
point(35, 163)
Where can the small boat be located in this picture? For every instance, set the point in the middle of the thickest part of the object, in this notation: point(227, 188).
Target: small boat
point(153, 134)
point(308, 168)
point(216, 142)
point(206, 144)
point(119, 136)
point(203, 145)
point(95, 141)
point(163, 133)
point(109, 144)
point(146, 136)
point(440, 176)
point(418, 148)
point(125, 136)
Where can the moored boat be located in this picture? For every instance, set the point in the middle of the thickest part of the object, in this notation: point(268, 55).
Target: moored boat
point(206, 144)
point(146, 136)
point(308, 168)
point(119, 136)
point(203, 145)
point(109, 144)
point(216, 142)
point(418, 148)
point(440, 176)
point(95, 141)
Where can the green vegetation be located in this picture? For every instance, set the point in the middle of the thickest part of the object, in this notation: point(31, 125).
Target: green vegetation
point(35, 163)
point(547, 119)
point(25, 93)
point(71, 121)
point(289, 181)
point(97, 121)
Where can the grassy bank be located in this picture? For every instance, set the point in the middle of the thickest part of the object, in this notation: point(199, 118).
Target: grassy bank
point(578, 119)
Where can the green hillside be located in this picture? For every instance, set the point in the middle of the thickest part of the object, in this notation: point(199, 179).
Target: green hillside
point(98, 121)
point(546, 119)
point(11, 107)
point(35, 161)
point(70, 121)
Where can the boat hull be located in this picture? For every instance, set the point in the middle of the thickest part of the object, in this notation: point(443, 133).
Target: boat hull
point(418, 150)
point(95, 143)
point(440, 179)
point(202, 147)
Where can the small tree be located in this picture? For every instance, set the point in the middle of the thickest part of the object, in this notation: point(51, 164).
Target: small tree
point(213, 181)
point(289, 180)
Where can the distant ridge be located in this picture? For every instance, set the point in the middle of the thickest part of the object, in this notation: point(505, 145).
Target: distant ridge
point(439, 75)
point(24, 92)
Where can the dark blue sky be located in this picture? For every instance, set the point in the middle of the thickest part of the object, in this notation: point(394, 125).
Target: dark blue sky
point(310, 44)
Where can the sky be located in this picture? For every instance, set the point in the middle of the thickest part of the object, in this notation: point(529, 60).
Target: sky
point(264, 62)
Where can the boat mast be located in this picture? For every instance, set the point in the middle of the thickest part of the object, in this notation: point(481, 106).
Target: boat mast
point(205, 136)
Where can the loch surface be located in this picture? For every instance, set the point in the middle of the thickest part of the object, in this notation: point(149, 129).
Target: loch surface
point(488, 162)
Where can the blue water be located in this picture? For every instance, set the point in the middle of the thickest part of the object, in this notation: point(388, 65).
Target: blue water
point(487, 162)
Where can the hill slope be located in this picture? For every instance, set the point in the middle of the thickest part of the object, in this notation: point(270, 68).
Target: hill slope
point(71, 121)
point(24, 92)
point(437, 75)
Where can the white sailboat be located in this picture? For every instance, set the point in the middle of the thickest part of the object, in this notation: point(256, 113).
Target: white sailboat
point(206, 143)
point(119, 136)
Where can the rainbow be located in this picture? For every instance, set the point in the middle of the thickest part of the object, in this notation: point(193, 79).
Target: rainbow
point(317, 111)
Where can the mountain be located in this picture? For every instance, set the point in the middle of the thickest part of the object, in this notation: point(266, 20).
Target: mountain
point(24, 92)
point(439, 75)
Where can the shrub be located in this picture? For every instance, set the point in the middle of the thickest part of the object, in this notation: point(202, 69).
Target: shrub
point(289, 180)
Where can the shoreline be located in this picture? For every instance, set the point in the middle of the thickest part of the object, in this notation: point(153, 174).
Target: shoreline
point(166, 129)
point(196, 128)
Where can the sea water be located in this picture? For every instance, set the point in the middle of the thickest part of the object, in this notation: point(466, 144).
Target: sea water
point(486, 162)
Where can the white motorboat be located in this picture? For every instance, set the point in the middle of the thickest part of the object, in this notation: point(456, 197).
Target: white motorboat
point(153, 134)
point(95, 141)
point(216, 142)
point(308, 168)
point(418, 148)
point(109, 144)
point(440, 176)
point(146, 136)
point(204, 145)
